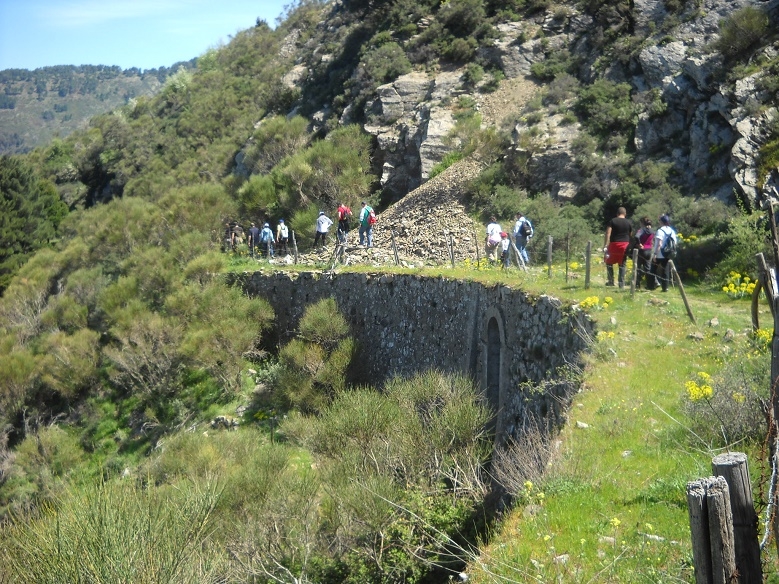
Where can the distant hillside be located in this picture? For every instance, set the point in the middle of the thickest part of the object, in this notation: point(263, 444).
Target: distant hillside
point(36, 106)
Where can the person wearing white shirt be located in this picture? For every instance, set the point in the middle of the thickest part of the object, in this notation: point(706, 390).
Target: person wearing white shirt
point(492, 239)
point(323, 223)
point(523, 231)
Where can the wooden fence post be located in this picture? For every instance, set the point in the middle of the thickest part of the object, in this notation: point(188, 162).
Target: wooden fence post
point(733, 467)
point(451, 249)
point(478, 259)
point(394, 248)
point(635, 273)
point(295, 246)
point(587, 264)
point(549, 243)
point(708, 503)
point(674, 276)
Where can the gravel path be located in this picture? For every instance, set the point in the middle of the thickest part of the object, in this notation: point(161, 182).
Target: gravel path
point(433, 215)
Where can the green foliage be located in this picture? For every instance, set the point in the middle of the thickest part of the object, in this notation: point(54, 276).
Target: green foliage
point(747, 234)
point(385, 63)
point(276, 138)
point(605, 107)
point(741, 31)
point(116, 532)
point(729, 406)
point(555, 64)
point(314, 365)
point(30, 213)
point(474, 73)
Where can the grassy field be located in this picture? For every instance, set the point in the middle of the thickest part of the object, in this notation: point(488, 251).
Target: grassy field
point(612, 505)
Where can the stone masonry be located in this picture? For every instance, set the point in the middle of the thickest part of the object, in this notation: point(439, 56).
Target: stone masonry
point(500, 337)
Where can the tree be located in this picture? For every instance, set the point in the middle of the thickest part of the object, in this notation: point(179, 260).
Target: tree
point(30, 213)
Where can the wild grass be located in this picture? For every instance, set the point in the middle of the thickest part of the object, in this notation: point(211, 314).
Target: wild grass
point(611, 506)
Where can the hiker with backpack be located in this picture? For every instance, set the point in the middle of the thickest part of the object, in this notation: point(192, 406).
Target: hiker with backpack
point(282, 237)
point(367, 221)
point(254, 238)
point(665, 242)
point(492, 239)
point(523, 231)
point(344, 215)
point(616, 241)
point(266, 240)
point(644, 242)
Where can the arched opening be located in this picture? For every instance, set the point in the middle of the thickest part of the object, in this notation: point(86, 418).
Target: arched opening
point(493, 363)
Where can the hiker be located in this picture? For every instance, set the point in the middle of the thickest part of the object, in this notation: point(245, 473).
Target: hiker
point(282, 237)
point(492, 239)
point(344, 214)
point(254, 238)
point(663, 250)
point(616, 241)
point(644, 242)
point(367, 220)
point(266, 240)
point(323, 223)
point(227, 243)
point(523, 231)
point(505, 244)
point(237, 235)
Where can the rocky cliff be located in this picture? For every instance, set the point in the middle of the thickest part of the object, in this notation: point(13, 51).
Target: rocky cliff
point(709, 123)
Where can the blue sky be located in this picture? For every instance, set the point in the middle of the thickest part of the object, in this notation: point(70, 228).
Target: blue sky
point(128, 33)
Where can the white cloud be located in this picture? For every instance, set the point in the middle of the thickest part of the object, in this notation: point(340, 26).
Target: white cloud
point(87, 13)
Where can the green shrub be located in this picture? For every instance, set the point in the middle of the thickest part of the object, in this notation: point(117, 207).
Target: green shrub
point(605, 107)
point(385, 62)
point(747, 234)
point(474, 73)
point(728, 408)
point(117, 532)
point(314, 365)
point(741, 31)
point(460, 50)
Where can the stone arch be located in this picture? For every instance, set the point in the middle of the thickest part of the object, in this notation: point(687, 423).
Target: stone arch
point(494, 354)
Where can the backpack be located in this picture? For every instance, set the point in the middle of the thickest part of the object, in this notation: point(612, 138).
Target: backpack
point(526, 230)
point(372, 218)
point(669, 247)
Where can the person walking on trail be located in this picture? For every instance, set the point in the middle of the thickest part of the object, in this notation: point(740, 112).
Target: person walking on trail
point(282, 237)
point(367, 220)
point(523, 231)
point(615, 246)
point(323, 223)
point(492, 239)
point(344, 215)
point(644, 243)
point(505, 244)
point(228, 238)
point(266, 241)
point(663, 250)
point(237, 236)
point(254, 238)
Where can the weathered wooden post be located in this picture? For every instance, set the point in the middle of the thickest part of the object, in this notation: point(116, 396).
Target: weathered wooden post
point(675, 277)
point(478, 259)
point(394, 248)
point(567, 253)
point(733, 467)
point(708, 503)
point(549, 243)
point(295, 246)
point(587, 264)
point(451, 249)
point(520, 260)
point(635, 273)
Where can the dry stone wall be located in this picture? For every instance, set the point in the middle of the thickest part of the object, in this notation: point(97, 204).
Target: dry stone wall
point(404, 324)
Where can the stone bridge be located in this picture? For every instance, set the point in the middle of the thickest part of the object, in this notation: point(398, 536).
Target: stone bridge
point(513, 345)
